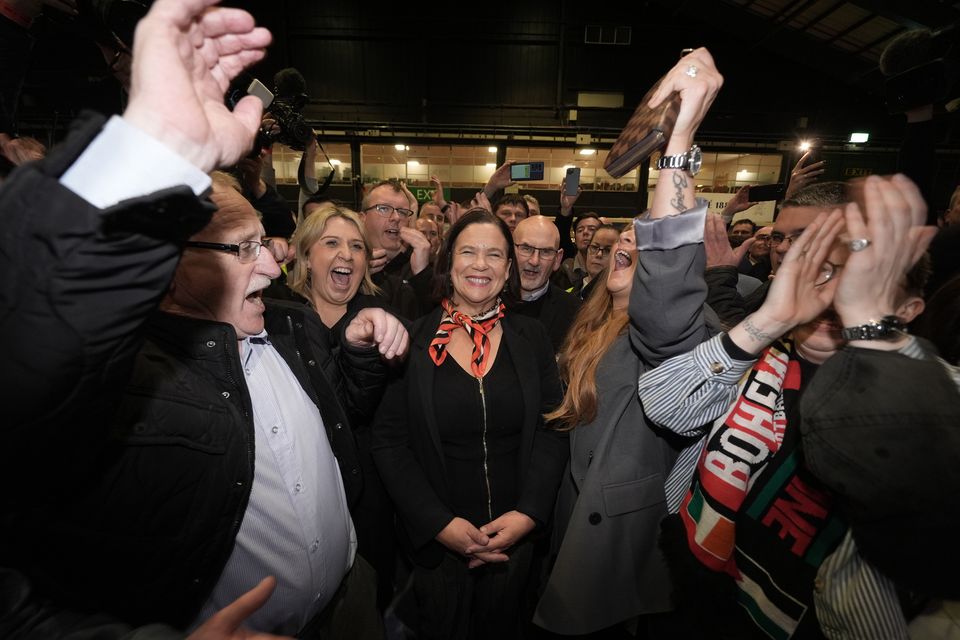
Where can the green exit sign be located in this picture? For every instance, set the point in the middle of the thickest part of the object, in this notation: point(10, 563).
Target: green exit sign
point(423, 194)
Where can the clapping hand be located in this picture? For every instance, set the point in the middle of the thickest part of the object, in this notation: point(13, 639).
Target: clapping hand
point(716, 244)
point(800, 292)
point(885, 242)
point(802, 175)
point(420, 256)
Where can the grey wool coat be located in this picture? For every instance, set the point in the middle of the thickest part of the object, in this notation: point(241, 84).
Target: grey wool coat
point(608, 567)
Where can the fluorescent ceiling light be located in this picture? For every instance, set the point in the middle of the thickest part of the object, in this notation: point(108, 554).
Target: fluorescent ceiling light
point(492, 149)
point(805, 145)
point(491, 165)
point(859, 137)
point(413, 163)
point(401, 147)
point(587, 152)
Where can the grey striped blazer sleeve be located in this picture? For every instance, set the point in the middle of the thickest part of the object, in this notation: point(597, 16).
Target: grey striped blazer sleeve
point(692, 389)
point(685, 394)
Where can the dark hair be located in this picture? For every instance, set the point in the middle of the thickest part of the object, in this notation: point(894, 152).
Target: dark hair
point(586, 216)
point(607, 225)
point(442, 284)
point(940, 322)
point(316, 198)
point(819, 194)
point(919, 275)
point(512, 198)
point(368, 196)
point(753, 225)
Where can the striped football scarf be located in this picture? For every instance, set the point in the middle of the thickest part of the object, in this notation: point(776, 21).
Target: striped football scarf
point(477, 327)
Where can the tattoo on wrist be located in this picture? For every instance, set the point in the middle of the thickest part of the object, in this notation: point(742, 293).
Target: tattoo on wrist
point(755, 333)
point(680, 182)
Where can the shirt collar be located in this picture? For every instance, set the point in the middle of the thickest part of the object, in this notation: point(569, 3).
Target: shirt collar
point(535, 295)
point(248, 343)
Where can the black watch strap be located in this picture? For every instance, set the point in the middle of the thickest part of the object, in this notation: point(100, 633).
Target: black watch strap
point(886, 328)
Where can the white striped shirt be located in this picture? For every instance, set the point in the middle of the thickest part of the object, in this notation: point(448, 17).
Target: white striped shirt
point(297, 526)
point(688, 393)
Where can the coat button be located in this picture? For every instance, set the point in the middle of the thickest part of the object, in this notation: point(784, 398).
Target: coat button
point(312, 363)
point(211, 343)
point(225, 394)
point(594, 518)
point(716, 367)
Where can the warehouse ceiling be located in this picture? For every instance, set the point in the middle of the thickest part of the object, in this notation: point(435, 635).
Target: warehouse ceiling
point(791, 66)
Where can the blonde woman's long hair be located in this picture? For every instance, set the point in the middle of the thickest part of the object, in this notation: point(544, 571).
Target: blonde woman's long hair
point(594, 329)
point(309, 231)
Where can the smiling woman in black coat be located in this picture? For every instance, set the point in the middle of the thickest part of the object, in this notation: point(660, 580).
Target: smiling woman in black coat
point(460, 442)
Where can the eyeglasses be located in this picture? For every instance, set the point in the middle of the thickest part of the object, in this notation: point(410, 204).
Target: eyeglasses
point(599, 251)
point(527, 251)
point(777, 238)
point(827, 272)
point(247, 251)
point(387, 210)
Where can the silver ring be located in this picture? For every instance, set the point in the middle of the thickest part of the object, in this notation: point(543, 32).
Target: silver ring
point(692, 71)
point(859, 244)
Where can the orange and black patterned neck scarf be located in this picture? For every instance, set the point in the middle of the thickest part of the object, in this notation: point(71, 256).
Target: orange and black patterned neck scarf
point(477, 327)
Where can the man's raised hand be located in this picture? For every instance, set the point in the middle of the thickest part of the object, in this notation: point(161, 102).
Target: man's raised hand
point(185, 54)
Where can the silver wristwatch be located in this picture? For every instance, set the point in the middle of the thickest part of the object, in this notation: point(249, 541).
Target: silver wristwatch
point(689, 161)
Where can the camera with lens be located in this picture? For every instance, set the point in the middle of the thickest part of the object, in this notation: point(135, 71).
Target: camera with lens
point(294, 130)
point(284, 104)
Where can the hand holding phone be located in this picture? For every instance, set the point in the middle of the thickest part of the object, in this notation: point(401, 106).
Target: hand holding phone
point(571, 183)
point(526, 171)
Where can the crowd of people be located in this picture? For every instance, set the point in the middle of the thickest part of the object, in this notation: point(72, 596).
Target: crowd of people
point(459, 420)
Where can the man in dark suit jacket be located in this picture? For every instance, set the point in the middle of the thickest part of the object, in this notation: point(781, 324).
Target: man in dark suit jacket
point(538, 256)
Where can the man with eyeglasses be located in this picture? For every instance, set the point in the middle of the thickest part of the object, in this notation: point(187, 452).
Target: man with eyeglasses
point(539, 255)
point(187, 454)
point(401, 252)
point(756, 263)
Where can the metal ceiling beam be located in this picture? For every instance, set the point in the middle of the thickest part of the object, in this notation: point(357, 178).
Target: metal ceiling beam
point(788, 13)
point(852, 27)
point(823, 14)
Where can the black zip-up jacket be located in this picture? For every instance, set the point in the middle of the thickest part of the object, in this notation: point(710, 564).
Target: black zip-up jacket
point(128, 447)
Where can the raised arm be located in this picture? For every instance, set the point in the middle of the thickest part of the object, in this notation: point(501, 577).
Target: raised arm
point(83, 280)
point(666, 300)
